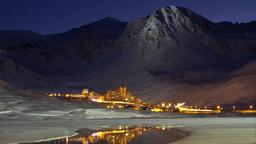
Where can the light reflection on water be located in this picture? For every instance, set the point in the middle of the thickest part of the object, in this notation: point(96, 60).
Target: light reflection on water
point(119, 135)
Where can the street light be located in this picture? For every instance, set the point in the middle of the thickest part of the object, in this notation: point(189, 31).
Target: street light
point(218, 107)
point(234, 107)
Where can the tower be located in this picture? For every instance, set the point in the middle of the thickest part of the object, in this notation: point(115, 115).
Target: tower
point(122, 91)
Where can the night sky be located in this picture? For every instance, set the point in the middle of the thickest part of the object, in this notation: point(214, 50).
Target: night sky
point(52, 16)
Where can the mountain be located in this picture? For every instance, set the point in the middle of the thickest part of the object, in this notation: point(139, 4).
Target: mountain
point(64, 52)
point(177, 38)
point(172, 54)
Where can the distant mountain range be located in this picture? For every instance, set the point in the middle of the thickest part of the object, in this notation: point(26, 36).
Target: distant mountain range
point(172, 54)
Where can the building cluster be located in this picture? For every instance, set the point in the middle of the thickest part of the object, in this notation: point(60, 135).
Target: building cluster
point(121, 94)
point(182, 108)
point(66, 95)
point(121, 98)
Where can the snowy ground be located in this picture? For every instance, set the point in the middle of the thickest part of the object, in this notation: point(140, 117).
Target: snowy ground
point(25, 120)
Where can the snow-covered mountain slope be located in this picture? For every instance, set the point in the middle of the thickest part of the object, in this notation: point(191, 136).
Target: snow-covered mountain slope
point(174, 53)
point(174, 38)
point(171, 54)
point(13, 76)
point(228, 88)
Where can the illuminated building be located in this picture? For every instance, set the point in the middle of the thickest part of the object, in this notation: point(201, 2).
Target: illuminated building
point(85, 92)
point(122, 91)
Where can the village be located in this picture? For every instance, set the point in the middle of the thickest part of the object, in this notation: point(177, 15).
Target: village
point(121, 98)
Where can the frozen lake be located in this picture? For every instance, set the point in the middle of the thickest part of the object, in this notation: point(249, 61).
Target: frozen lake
point(28, 120)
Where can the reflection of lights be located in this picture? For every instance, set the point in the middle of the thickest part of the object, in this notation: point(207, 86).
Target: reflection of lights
point(67, 140)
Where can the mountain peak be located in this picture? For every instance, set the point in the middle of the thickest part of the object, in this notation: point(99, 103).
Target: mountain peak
point(172, 7)
point(107, 21)
point(177, 11)
point(176, 17)
point(110, 19)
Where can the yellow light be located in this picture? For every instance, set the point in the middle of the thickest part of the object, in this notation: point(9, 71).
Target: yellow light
point(251, 106)
point(218, 107)
point(156, 110)
point(163, 104)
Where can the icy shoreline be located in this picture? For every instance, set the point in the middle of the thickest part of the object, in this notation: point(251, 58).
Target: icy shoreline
point(28, 131)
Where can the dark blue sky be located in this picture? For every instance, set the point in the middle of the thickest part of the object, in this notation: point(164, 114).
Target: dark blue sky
point(51, 16)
